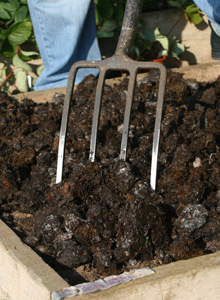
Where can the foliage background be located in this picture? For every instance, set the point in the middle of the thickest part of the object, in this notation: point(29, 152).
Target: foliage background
point(18, 48)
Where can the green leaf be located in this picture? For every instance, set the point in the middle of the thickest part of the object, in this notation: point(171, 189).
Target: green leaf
point(21, 80)
point(29, 53)
point(17, 62)
point(21, 13)
point(192, 13)
point(105, 8)
point(102, 34)
point(98, 17)
point(3, 74)
point(137, 51)
point(109, 26)
point(192, 9)
point(174, 3)
point(149, 35)
point(2, 34)
point(163, 53)
point(107, 29)
point(40, 69)
point(23, 1)
point(177, 49)
point(4, 15)
point(163, 40)
point(19, 32)
point(7, 49)
point(11, 5)
point(196, 19)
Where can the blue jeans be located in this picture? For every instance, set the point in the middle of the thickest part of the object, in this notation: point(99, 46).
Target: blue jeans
point(65, 32)
point(212, 9)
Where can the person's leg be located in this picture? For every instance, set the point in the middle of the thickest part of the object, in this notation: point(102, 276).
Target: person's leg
point(65, 32)
point(212, 9)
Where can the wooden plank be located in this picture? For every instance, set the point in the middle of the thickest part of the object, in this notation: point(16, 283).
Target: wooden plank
point(40, 96)
point(3, 295)
point(203, 72)
point(194, 279)
point(23, 274)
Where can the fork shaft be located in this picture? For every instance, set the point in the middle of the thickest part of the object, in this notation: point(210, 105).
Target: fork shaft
point(129, 26)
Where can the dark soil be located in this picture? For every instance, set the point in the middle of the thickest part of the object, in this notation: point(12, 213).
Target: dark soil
point(104, 218)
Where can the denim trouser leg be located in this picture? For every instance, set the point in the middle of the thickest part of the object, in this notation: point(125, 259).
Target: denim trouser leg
point(212, 9)
point(65, 32)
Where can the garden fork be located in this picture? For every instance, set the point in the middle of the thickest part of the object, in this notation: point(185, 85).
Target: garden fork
point(119, 61)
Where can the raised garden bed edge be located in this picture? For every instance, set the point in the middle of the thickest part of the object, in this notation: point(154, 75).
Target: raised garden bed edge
point(25, 276)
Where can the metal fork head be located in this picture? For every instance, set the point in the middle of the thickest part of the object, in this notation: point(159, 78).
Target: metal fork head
point(119, 61)
point(116, 62)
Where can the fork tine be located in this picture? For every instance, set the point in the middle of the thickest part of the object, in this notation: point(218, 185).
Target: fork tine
point(119, 61)
point(158, 119)
point(129, 100)
point(96, 114)
point(64, 122)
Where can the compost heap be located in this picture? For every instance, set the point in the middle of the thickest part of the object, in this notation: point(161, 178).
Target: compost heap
point(103, 215)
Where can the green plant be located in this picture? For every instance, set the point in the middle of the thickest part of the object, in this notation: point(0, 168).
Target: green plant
point(109, 15)
point(151, 45)
point(15, 32)
point(191, 11)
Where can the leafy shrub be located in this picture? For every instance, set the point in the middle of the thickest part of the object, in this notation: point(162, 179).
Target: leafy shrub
point(16, 30)
point(191, 11)
point(150, 45)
